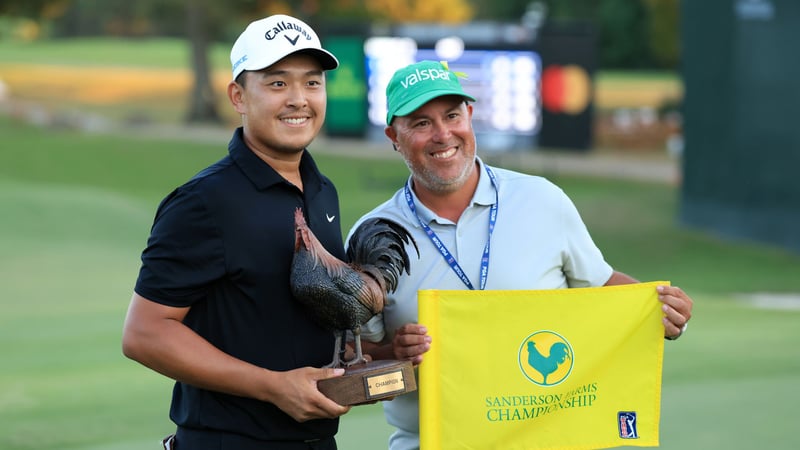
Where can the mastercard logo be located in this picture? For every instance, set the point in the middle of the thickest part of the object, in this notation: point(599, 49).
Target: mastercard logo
point(565, 89)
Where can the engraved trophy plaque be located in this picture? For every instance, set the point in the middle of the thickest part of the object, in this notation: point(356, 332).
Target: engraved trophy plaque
point(370, 382)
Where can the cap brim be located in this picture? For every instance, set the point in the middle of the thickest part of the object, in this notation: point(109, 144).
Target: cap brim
point(325, 58)
point(417, 102)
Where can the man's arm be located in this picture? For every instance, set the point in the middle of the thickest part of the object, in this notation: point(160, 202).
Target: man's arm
point(618, 278)
point(677, 305)
point(155, 336)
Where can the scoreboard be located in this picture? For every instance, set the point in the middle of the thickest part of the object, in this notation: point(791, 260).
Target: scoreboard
point(505, 83)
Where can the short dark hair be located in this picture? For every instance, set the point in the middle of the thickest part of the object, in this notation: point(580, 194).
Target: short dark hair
point(241, 79)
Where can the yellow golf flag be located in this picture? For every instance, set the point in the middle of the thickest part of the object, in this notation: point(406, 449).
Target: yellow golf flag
point(549, 369)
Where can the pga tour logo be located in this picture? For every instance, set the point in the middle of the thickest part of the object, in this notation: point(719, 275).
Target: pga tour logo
point(627, 425)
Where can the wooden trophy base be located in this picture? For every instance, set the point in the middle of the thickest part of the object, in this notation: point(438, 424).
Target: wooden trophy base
point(369, 382)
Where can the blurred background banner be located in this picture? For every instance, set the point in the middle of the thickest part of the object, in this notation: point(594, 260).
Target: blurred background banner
point(569, 56)
point(346, 86)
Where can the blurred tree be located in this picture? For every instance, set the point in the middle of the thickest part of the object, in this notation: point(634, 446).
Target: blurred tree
point(633, 34)
point(664, 32)
point(572, 10)
point(504, 11)
point(311, 11)
point(623, 34)
point(202, 102)
point(30, 13)
point(557, 10)
point(445, 11)
point(32, 8)
point(622, 26)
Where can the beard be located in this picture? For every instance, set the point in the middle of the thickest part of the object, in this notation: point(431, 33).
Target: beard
point(430, 179)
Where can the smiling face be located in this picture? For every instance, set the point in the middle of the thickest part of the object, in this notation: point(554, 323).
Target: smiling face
point(437, 143)
point(283, 106)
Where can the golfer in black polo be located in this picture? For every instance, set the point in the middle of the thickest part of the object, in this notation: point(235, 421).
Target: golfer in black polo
point(212, 307)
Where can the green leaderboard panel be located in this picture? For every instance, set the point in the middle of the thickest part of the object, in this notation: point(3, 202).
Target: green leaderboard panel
point(347, 92)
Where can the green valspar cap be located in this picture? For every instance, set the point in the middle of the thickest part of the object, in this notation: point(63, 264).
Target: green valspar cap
point(417, 84)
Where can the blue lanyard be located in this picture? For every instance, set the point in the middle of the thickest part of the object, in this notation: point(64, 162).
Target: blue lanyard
point(448, 257)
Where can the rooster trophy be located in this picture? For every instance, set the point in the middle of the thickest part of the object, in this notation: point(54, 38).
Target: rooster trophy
point(343, 296)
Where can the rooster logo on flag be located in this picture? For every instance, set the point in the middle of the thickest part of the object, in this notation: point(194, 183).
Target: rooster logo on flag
point(546, 358)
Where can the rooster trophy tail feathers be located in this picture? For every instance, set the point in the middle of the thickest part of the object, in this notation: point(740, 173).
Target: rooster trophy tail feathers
point(380, 244)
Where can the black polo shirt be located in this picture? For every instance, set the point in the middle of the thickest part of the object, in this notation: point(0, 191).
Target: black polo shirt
point(222, 244)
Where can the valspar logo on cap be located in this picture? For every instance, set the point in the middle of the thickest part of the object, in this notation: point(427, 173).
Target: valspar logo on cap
point(418, 83)
point(424, 74)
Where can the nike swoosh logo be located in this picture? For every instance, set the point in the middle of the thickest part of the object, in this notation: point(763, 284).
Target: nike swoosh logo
point(293, 41)
point(330, 218)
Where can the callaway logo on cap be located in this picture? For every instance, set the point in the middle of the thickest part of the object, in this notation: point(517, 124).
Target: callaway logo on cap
point(267, 41)
point(417, 84)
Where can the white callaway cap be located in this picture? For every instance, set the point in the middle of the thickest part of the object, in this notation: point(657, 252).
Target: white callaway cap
point(266, 41)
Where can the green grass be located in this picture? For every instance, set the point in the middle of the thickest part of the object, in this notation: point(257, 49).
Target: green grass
point(152, 75)
point(160, 53)
point(77, 210)
point(617, 76)
point(639, 235)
